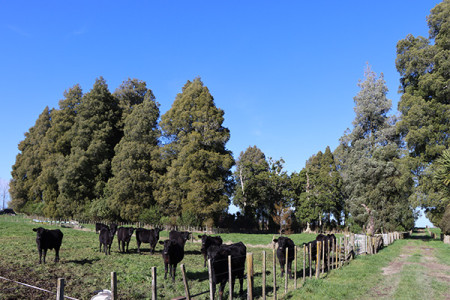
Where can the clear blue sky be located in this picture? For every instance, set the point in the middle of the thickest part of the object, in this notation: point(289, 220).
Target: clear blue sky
point(284, 72)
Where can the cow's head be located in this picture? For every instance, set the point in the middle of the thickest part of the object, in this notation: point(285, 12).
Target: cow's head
point(113, 229)
point(186, 235)
point(282, 242)
point(214, 253)
point(204, 242)
point(157, 231)
point(130, 231)
point(39, 232)
point(168, 244)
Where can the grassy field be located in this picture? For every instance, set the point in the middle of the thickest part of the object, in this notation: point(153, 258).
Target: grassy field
point(415, 268)
point(86, 270)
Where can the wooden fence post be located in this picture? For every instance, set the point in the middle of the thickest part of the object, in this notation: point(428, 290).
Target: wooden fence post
point(60, 290)
point(154, 294)
point(211, 292)
point(304, 263)
point(249, 276)
point(335, 254)
point(328, 256)
point(323, 256)
point(295, 267)
point(310, 260)
point(274, 273)
point(186, 287)
point(230, 277)
point(318, 259)
point(263, 275)
point(114, 285)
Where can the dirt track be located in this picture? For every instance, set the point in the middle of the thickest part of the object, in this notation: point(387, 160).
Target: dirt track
point(421, 256)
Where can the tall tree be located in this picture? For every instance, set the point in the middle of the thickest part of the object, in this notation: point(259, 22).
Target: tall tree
point(130, 93)
point(198, 178)
point(375, 183)
point(55, 147)
point(135, 166)
point(25, 192)
point(262, 188)
point(322, 196)
point(424, 105)
point(88, 167)
point(251, 190)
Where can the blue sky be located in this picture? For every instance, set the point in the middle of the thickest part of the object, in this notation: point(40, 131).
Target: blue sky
point(284, 72)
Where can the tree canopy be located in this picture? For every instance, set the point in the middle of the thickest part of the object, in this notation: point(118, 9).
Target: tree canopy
point(423, 65)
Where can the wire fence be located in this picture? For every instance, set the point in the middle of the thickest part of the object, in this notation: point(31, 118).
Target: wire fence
point(260, 269)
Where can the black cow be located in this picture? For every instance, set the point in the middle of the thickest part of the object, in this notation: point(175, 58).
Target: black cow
point(172, 254)
point(147, 236)
point(99, 226)
point(208, 241)
point(219, 265)
point(48, 239)
point(324, 239)
point(123, 237)
point(106, 238)
point(180, 236)
point(283, 244)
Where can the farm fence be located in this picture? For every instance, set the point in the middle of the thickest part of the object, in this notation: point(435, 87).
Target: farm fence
point(328, 256)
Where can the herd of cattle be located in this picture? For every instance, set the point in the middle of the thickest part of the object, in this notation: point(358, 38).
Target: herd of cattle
point(173, 253)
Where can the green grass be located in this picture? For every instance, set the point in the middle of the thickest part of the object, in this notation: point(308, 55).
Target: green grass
point(86, 270)
point(363, 278)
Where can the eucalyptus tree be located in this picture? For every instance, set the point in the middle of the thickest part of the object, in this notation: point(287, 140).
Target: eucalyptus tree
point(369, 159)
point(198, 176)
point(26, 195)
point(251, 189)
point(424, 66)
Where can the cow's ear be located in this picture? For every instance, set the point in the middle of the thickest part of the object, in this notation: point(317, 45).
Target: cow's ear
point(161, 242)
point(275, 240)
point(35, 229)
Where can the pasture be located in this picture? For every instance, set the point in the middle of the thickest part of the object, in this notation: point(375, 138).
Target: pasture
point(87, 270)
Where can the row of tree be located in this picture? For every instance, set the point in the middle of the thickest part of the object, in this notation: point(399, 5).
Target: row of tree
point(105, 155)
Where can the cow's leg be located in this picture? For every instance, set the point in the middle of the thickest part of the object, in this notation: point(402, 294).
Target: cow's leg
point(138, 245)
point(282, 268)
point(165, 269)
point(222, 287)
point(290, 269)
point(174, 267)
point(214, 289)
point(118, 242)
point(45, 254)
point(127, 243)
point(241, 283)
point(204, 264)
point(56, 254)
point(40, 255)
point(233, 278)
